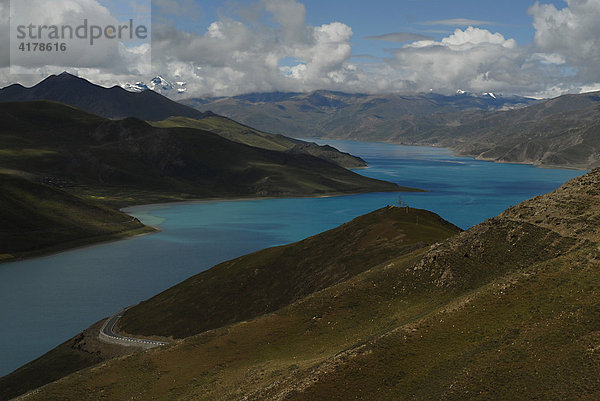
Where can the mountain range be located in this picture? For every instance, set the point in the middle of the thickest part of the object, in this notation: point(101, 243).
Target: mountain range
point(160, 85)
point(559, 132)
point(343, 115)
point(397, 304)
point(129, 161)
point(114, 103)
point(407, 307)
point(86, 162)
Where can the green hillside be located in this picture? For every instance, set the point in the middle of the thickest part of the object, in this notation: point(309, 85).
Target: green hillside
point(267, 280)
point(231, 130)
point(128, 161)
point(236, 132)
point(36, 218)
point(248, 287)
point(506, 310)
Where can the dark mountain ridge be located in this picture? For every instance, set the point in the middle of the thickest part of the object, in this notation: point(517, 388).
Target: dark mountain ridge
point(117, 103)
point(112, 102)
point(129, 161)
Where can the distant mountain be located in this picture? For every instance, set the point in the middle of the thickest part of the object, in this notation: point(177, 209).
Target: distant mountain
point(341, 115)
point(561, 132)
point(116, 103)
point(128, 161)
point(113, 102)
point(160, 85)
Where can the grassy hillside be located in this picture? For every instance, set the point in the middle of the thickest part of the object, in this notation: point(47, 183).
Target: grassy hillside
point(240, 133)
point(36, 218)
point(231, 130)
point(506, 310)
point(79, 352)
point(128, 161)
point(267, 280)
point(247, 287)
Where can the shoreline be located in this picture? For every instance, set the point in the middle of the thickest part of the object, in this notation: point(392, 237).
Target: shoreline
point(260, 198)
point(457, 153)
point(150, 229)
point(82, 244)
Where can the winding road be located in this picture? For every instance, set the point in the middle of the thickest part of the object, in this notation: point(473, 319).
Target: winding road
point(107, 334)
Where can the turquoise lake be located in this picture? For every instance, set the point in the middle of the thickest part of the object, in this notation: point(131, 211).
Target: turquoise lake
point(47, 300)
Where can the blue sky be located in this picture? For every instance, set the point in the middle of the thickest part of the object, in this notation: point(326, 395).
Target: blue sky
point(376, 17)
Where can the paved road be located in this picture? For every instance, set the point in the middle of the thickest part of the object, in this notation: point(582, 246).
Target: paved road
point(107, 333)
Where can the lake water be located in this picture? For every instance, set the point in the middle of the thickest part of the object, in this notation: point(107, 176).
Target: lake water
point(47, 300)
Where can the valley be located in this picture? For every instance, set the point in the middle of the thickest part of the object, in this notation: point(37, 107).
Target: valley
point(560, 132)
point(196, 236)
point(290, 200)
point(111, 162)
point(297, 319)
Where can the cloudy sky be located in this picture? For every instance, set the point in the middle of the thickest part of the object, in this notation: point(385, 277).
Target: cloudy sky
point(539, 49)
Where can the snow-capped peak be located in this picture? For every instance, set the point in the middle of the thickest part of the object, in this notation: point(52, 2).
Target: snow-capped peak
point(137, 87)
point(460, 92)
point(490, 94)
point(160, 82)
point(159, 85)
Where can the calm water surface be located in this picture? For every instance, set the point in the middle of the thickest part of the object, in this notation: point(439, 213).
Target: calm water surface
point(47, 300)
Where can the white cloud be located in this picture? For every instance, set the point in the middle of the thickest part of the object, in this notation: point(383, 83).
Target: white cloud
point(242, 52)
point(236, 56)
point(105, 54)
point(472, 37)
point(289, 14)
point(472, 59)
point(571, 33)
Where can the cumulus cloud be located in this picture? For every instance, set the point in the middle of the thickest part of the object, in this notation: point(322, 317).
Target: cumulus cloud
point(270, 46)
point(68, 19)
point(235, 56)
point(472, 59)
point(570, 35)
